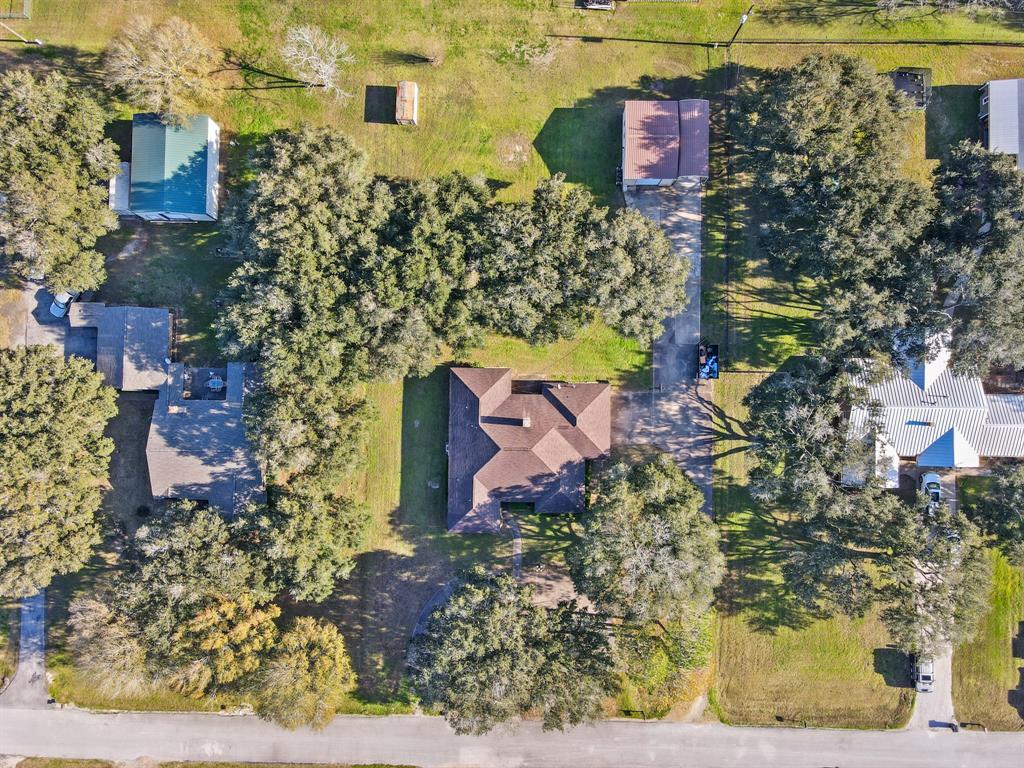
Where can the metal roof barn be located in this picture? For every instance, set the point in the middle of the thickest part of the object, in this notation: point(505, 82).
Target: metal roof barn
point(174, 173)
point(664, 142)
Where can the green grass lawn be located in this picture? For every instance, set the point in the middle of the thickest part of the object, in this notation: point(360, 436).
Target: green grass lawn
point(775, 664)
point(988, 671)
point(8, 638)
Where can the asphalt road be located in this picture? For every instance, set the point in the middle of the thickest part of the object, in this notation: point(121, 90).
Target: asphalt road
point(427, 742)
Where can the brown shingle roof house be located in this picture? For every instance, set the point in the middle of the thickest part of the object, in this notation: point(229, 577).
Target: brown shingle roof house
point(519, 441)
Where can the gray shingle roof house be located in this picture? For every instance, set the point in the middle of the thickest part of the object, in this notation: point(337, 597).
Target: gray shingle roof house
point(173, 174)
point(664, 142)
point(520, 441)
point(197, 448)
point(131, 343)
point(1000, 116)
point(937, 419)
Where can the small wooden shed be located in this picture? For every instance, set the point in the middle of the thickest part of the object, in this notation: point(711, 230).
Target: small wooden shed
point(407, 103)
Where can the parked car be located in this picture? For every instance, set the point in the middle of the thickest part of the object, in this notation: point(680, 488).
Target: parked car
point(62, 303)
point(924, 674)
point(931, 486)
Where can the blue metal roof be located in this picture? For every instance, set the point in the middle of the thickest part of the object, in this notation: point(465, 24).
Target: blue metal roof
point(169, 166)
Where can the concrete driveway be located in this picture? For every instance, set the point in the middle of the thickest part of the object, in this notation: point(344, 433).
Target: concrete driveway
point(28, 689)
point(676, 414)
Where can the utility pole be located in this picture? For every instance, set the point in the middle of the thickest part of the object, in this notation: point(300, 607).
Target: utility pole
point(743, 20)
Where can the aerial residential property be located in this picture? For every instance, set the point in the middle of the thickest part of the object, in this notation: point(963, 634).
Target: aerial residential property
point(197, 447)
point(932, 417)
point(489, 383)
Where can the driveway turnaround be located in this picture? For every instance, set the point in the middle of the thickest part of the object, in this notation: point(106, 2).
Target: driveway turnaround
point(676, 414)
point(427, 742)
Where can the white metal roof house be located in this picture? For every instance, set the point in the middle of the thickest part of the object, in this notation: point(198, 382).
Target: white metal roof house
point(1000, 116)
point(936, 418)
point(664, 142)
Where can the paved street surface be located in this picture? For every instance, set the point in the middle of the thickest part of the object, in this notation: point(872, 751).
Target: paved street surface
point(28, 689)
point(427, 742)
point(676, 415)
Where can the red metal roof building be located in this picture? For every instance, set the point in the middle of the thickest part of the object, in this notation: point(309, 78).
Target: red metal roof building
point(664, 142)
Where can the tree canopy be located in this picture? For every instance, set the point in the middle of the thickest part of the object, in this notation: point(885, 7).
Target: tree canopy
point(647, 551)
point(53, 465)
point(999, 510)
point(978, 238)
point(824, 143)
point(54, 166)
point(308, 538)
point(196, 603)
point(489, 655)
point(163, 68)
point(308, 677)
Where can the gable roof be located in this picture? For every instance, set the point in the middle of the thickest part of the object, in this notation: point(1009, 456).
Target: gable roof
point(131, 343)
point(528, 445)
point(665, 139)
point(170, 166)
point(1005, 119)
point(949, 422)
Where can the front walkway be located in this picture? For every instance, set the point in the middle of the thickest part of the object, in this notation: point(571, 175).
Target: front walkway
point(676, 414)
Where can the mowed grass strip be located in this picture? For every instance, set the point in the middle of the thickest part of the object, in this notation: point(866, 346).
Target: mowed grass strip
point(775, 664)
point(988, 671)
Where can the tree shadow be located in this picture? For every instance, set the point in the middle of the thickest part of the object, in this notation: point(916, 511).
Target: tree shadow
point(756, 541)
point(824, 12)
point(894, 667)
point(379, 104)
point(952, 116)
point(377, 607)
point(254, 76)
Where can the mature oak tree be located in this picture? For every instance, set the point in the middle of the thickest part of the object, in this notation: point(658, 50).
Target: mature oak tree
point(53, 160)
point(52, 467)
point(978, 239)
point(647, 551)
point(824, 143)
point(163, 68)
point(489, 655)
point(308, 537)
point(307, 678)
